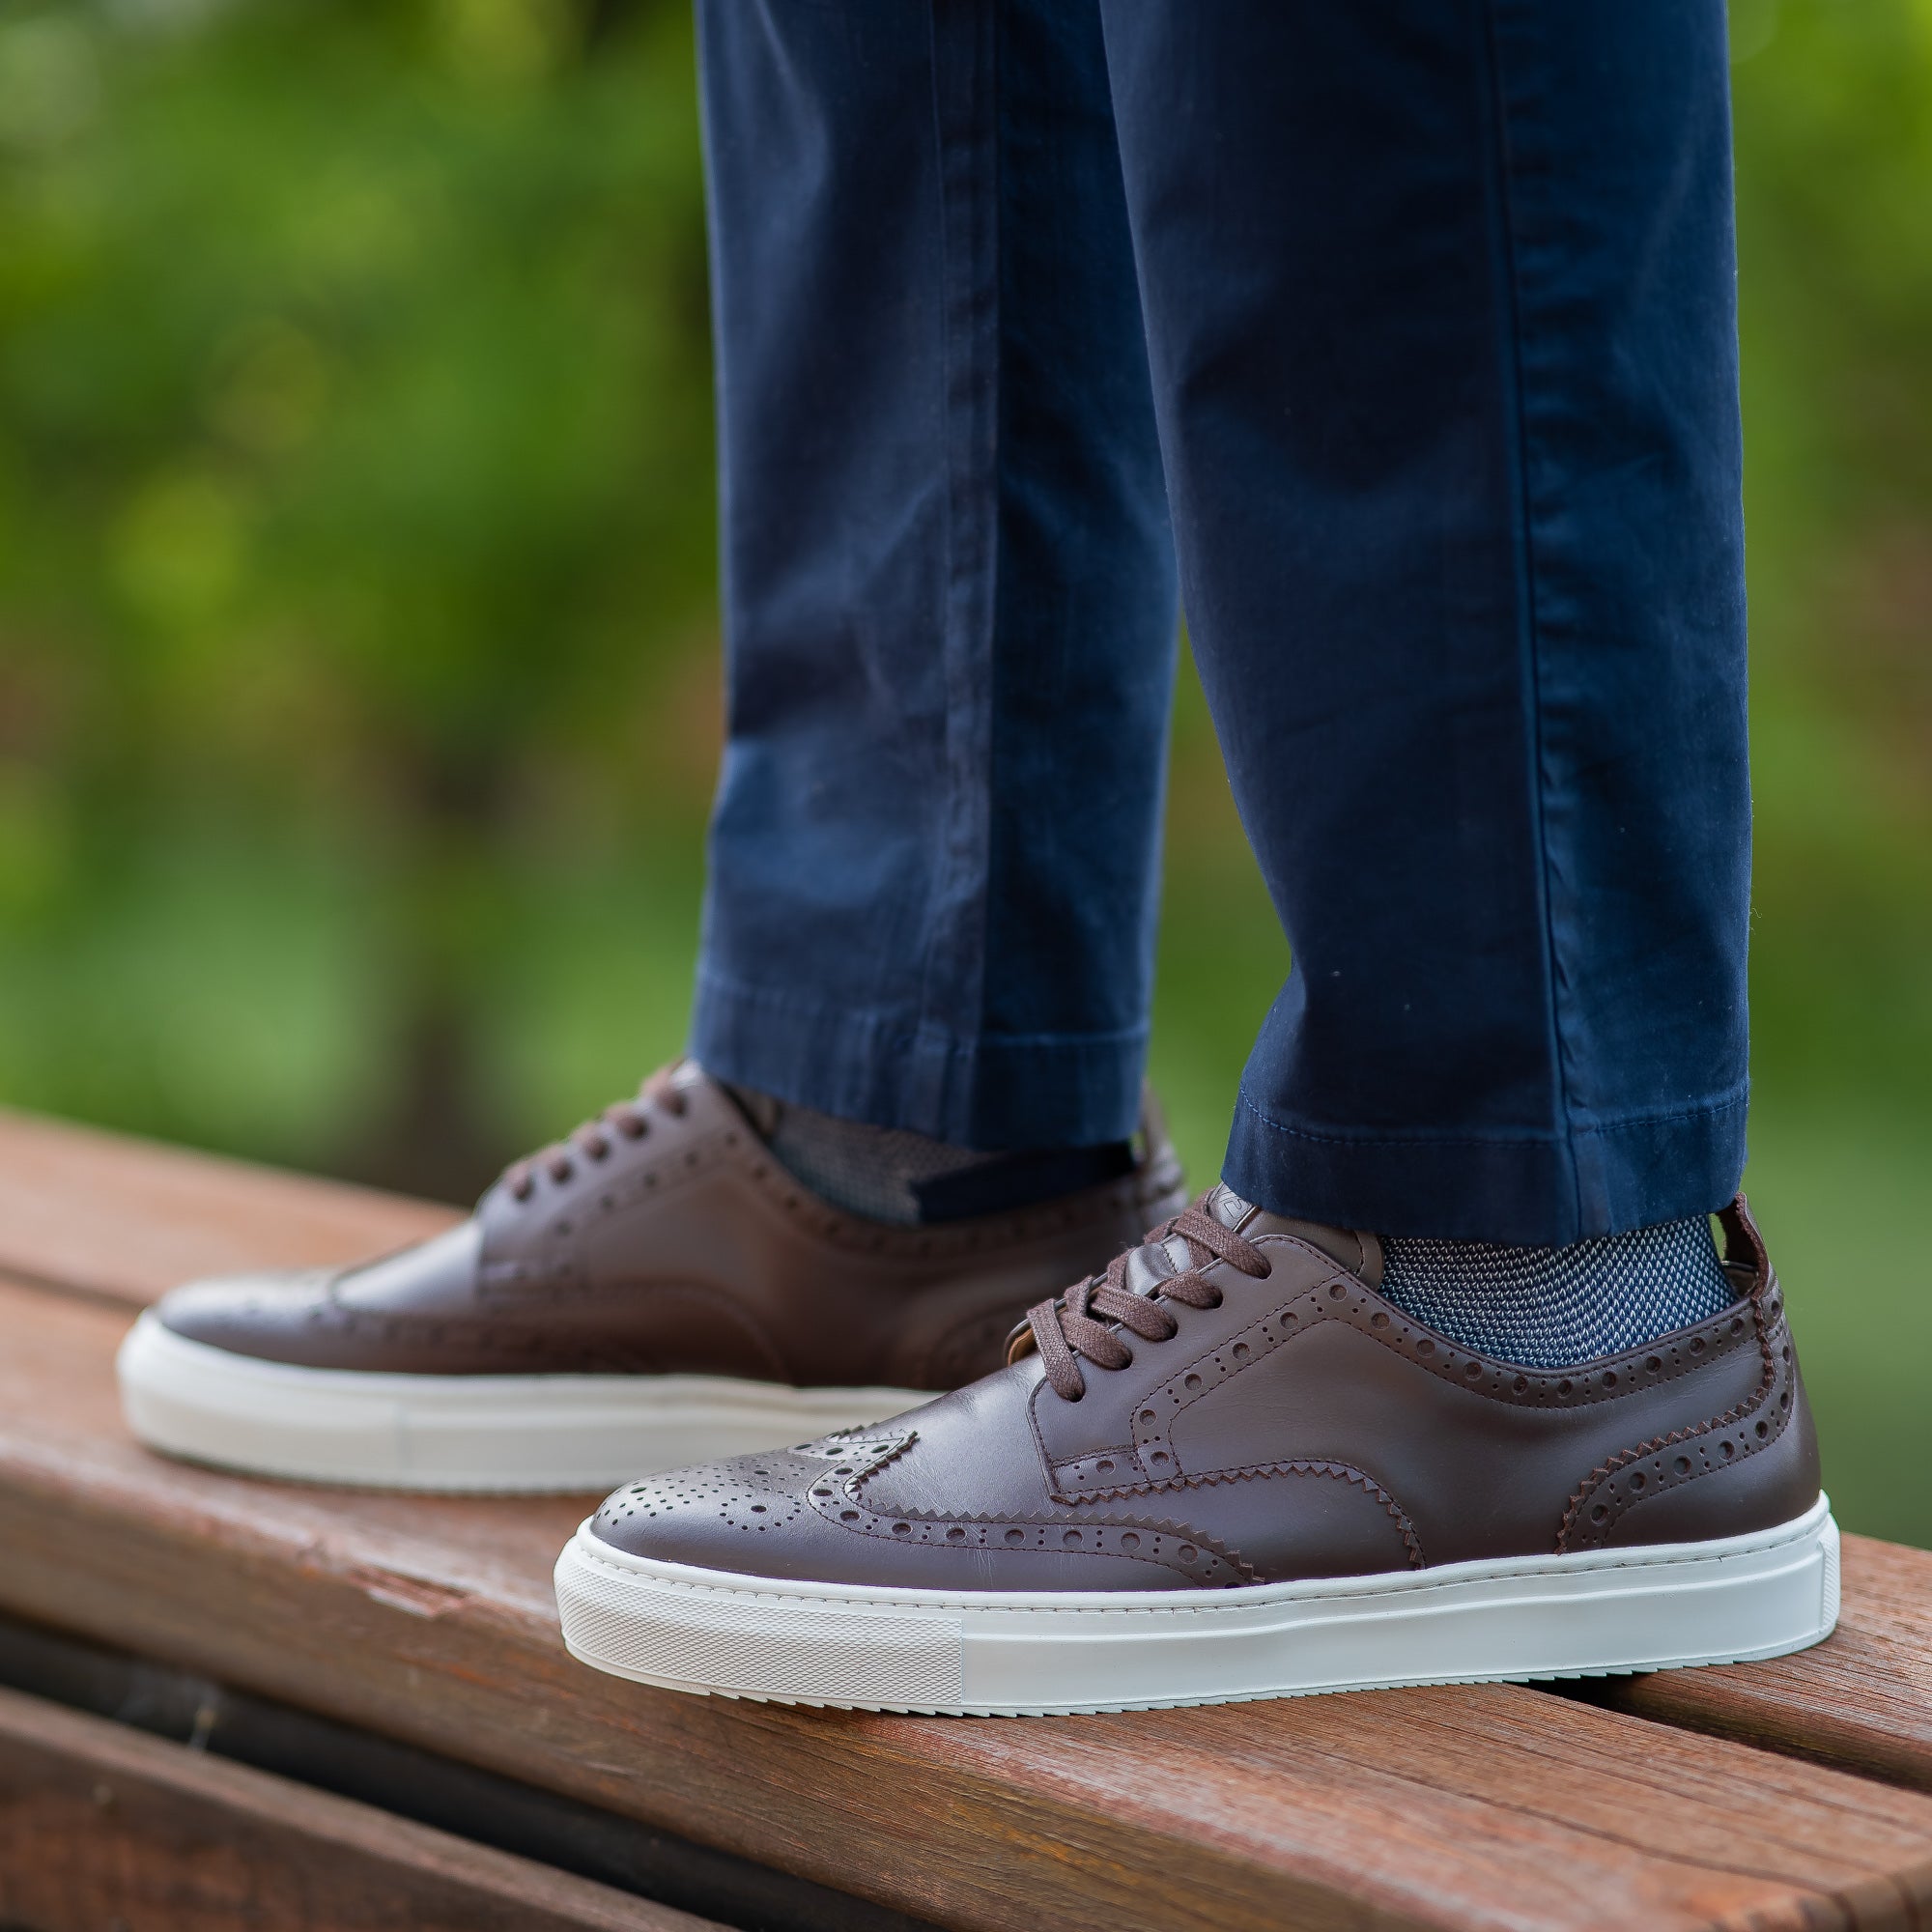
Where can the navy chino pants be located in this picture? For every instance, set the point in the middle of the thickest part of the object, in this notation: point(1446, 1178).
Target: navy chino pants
point(1397, 337)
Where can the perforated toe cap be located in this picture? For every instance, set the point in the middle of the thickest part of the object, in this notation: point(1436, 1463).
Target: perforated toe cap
point(804, 1514)
point(750, 1514)
point(270, 1315)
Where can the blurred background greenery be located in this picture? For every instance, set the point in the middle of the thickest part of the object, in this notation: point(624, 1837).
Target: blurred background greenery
point(358, 689)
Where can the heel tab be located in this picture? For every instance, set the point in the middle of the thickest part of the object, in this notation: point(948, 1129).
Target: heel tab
point(1744, 1245)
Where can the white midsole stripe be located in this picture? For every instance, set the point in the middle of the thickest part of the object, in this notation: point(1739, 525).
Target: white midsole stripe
point(1756, 1595)
point(529, 1432)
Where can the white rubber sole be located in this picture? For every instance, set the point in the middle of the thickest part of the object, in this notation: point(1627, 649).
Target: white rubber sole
point(1598, 1613)
point(477, 1433)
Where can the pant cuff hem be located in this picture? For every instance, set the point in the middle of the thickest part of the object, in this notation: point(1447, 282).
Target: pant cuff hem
point(990, 1091)
point(1525, 1192)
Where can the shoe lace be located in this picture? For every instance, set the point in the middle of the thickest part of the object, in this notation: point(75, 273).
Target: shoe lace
point(592, 1138)
point(1087, 1320)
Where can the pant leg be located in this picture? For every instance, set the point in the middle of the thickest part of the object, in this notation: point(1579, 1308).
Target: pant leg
point(1441, 309)
point(948, 581)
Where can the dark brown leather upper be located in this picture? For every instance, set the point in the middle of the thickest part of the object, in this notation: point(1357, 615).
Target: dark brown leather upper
point(1304, 1427)
point(685, 1249)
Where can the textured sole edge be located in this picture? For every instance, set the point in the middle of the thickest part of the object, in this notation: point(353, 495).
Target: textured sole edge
point(460, 1434)
point(1510, 1620)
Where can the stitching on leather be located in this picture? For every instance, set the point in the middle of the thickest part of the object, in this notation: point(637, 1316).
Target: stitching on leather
point(516, 1329)
point(1620, 1504)
point(1608, 1382)
point(1051, 1468)
point(1155, 1446)
point(1448, 1361)
point(711, 1147)
point(1613, 1379)
point(1360, 1308)
point(598, 1195)
point(1381, 1590)
point(1553, 1377)
point(1300, 1465)
point(1155, 1527)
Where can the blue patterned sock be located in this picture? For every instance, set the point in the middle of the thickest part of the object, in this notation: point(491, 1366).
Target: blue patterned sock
point(1552, 1308)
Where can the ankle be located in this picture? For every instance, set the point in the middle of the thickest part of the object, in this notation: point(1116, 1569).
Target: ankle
point(1549, 1308)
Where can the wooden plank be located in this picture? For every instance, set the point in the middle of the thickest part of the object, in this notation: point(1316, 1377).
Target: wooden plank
point(103, 1826)
point(124, 1219)
point(128, 1219)
point(431, 1621)
point(543, 1828)
point(1863, 1700)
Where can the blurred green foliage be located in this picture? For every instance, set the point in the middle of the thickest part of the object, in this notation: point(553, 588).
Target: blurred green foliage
point(358, 632)
point(356, 571)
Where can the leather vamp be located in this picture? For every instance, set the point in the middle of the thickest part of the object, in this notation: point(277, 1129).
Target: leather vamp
point(815, 1513)
point(1310, 1367)
point(685, 1249)
point(1301, 1428)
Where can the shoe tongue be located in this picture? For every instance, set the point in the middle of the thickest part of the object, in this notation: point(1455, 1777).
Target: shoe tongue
point(1153, 1262)
point(1359, 1253)
point(1227, 1207)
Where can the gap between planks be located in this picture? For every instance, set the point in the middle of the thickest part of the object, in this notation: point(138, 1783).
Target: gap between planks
point(453, 1647)
point(122, 1220)
point(1429, 1808)
point(103, 1825)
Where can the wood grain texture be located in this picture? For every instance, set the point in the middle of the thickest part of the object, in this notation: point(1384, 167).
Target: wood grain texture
point(1863, 1699)
point(123, 1219)
point(128, 1219)
point(101, 1826)
point(431, 1620)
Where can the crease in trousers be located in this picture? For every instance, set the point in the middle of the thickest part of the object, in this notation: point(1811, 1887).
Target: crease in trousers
point(1399, 340)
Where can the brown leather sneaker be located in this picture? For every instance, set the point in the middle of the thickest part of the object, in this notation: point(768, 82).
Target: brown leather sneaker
point(1230, 1469)
point(654, 1290)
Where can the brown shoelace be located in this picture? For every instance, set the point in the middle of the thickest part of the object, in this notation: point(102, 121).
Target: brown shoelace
point(592, 1139)
point(1077, 1322)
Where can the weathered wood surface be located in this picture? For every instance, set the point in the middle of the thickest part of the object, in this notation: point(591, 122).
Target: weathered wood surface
point(100, 1826)
point(123, 1218)
point(431, 1621)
